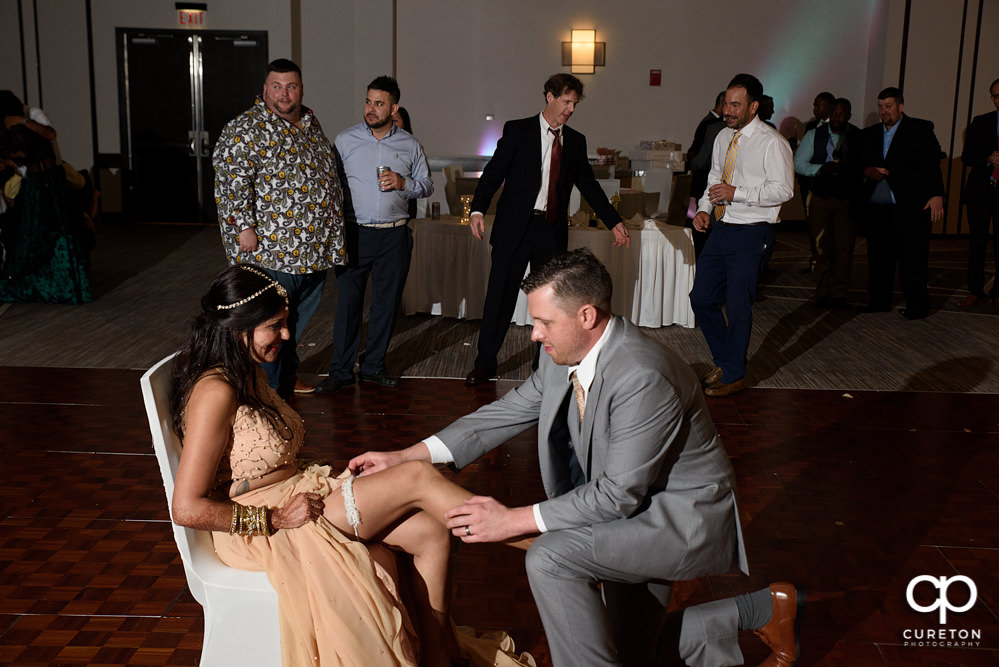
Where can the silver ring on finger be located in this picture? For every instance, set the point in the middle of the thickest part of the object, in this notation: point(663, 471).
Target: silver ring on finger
point(468, 533)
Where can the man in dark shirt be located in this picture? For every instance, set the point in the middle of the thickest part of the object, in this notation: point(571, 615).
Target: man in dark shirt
point(981, 193)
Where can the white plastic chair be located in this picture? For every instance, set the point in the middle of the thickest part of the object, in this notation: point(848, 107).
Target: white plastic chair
point(241, 607)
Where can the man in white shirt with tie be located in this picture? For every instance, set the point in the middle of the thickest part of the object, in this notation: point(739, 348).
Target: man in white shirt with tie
point(752, 174)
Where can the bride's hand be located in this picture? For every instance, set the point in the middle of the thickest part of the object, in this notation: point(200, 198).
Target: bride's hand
point(301, 509)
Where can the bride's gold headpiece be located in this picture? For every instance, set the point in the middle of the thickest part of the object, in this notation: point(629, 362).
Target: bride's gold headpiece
point(282, 292)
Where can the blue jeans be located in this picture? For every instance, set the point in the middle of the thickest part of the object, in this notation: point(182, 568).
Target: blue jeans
point(305, 290)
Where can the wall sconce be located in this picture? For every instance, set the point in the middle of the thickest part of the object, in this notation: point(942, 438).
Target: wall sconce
point(584, 53)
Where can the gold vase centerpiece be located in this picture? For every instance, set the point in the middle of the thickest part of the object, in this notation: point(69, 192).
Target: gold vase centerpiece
point(466, 209)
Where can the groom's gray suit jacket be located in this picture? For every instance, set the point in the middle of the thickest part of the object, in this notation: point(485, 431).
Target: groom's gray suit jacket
point(659, 490)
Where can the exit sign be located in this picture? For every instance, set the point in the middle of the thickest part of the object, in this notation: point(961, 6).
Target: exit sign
point(188, 17)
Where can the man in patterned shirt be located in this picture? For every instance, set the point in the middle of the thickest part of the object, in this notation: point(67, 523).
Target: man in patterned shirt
point(280, 201)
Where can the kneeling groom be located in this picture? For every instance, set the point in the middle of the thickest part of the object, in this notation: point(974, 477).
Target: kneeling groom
point(640, 490)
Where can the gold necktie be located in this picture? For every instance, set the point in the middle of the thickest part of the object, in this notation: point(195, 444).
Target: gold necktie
point(730, 155)
point(577, 389)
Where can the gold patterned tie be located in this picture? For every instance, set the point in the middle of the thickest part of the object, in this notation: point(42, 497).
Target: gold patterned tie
point(730, 155)
point(577, 389)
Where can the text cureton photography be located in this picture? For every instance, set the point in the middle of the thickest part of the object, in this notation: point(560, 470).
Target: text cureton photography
point(942, 604)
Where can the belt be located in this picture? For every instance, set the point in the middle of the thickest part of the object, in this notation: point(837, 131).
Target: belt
point(386, 225)
point(540, 212)
point(741, 224)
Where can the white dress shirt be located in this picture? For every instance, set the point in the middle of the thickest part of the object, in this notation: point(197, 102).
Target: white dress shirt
point(763, 175)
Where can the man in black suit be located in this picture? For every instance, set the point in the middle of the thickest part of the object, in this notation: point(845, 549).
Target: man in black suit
point(537, 160)
point(903, 192)
point(713, 116)
point(699, 160)
point(699, 154)
point(981, 192)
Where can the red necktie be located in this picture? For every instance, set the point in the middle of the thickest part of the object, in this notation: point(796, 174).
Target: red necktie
point(551, 210)
point(995, 168)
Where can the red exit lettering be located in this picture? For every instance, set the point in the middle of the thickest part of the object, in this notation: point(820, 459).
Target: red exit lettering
point(188, 17)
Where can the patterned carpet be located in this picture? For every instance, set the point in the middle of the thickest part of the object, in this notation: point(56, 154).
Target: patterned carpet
point(148, 279)
point(850, 494)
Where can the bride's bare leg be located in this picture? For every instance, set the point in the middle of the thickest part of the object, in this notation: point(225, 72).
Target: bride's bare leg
point(430, 545)
point(384, 500)
point(386, 496)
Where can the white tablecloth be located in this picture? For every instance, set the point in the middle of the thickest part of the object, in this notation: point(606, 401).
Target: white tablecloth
point(652, 279)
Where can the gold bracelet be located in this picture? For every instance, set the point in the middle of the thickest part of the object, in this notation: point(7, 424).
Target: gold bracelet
point(250, 520)
point(265, 520)
point(235, 518)
point(262, 524)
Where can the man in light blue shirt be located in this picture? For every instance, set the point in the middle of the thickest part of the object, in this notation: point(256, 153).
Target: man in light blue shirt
point(385, 168)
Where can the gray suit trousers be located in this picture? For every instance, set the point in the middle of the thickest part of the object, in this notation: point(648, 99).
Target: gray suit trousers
point(621, 621)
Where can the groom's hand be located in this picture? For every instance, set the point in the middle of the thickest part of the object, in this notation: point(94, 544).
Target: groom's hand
point(488, 520)
point(369, 463)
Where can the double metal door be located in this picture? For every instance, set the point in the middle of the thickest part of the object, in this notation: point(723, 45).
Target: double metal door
point(177, 90)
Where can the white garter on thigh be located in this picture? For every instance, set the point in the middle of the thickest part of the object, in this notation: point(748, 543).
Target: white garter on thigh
point(349, 505)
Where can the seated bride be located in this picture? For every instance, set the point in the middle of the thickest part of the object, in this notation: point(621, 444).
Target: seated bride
point(307, 527)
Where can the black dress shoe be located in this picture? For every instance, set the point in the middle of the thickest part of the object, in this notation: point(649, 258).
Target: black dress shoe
point(382, 379)
point(839, 303)
point(479, 375)
point(333, 383)
point(821, 302)
point(911, 314)
point(871, 308)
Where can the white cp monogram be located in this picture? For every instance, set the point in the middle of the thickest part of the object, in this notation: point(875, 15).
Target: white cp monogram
point(942, 602)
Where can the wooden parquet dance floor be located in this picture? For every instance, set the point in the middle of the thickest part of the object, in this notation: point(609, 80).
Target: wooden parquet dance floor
point(849, 495)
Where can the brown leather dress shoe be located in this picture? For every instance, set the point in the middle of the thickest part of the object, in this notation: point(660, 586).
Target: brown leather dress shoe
point(303, 387)
point(781, 633)
point(479, 375)
point(721, 389)
point(713, 376)
point(970, 300)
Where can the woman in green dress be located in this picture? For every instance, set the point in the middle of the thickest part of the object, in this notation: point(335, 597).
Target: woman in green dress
point(45, 240)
